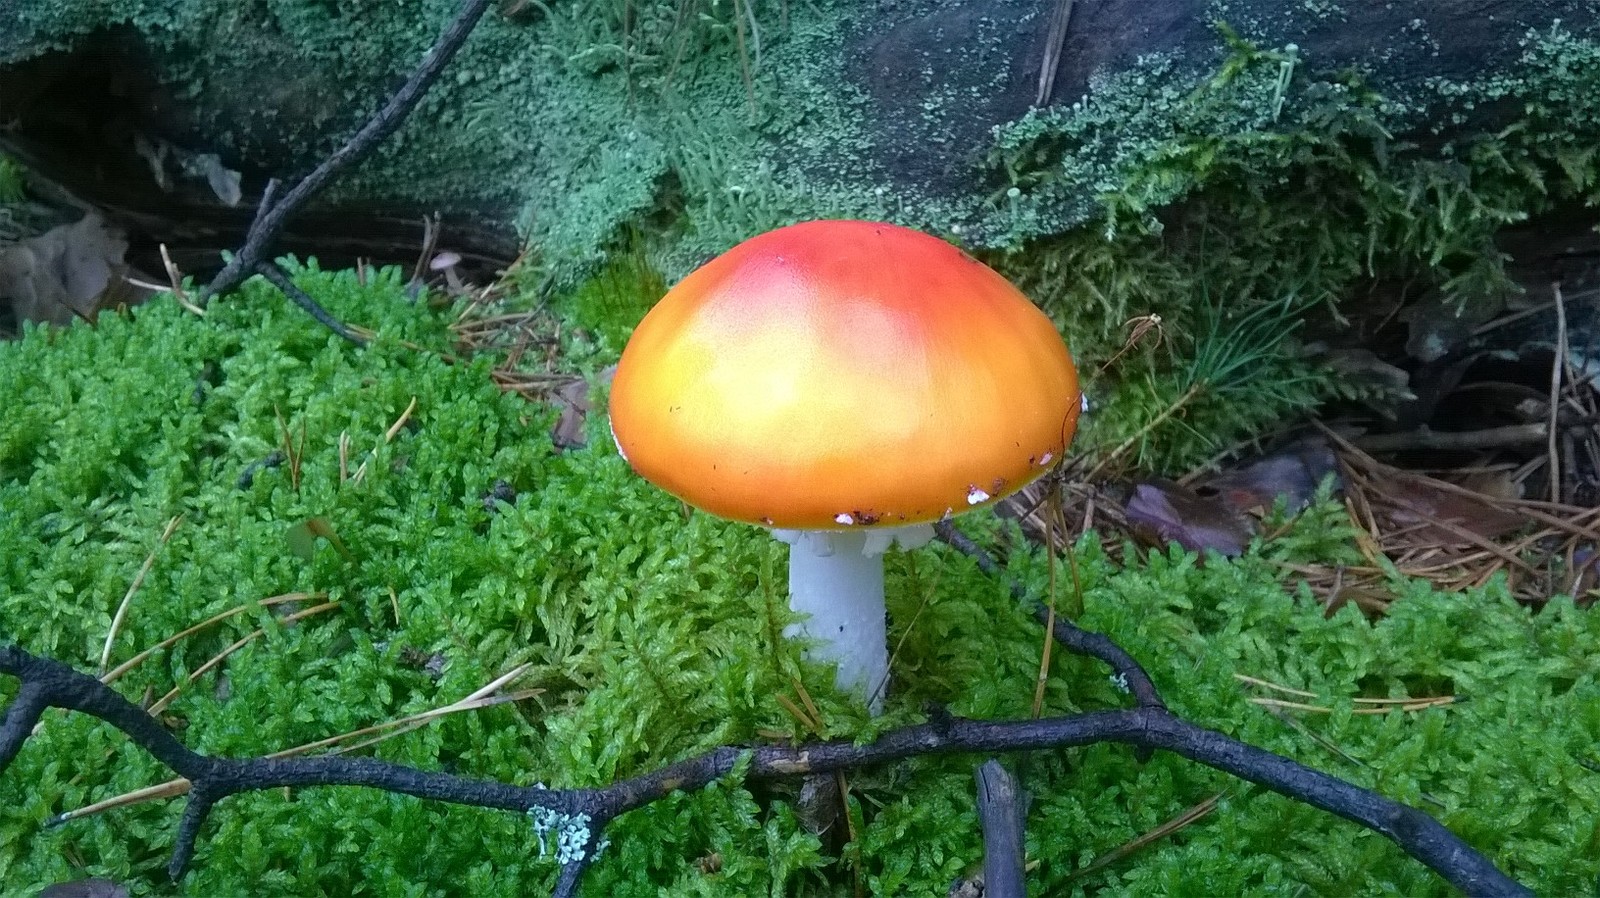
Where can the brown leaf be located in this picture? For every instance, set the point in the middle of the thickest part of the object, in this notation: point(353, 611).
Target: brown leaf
point(1364, 366)
point(67, 272)
point(573, 398)
point(1440, 324)
point(1292, 475)
point(576, 399)
point(1412, 500)
point(1168, 512)
point(303, 538)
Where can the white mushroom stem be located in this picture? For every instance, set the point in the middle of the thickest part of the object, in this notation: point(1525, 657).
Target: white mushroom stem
point(836, 579)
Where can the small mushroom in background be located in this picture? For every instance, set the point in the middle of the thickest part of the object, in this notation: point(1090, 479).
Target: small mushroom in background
point(845, 384)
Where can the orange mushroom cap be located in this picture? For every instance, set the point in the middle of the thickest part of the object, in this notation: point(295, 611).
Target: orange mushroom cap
point(835, 374)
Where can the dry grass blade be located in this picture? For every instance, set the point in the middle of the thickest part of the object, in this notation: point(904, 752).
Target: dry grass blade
point(393, 728)
point(1138, 436)
point(812, 712)
point(169, 789)
point(1367, 705)
point(1354, 458)
point(388, 437)
point(480, 698)
point(291, 450)
point(1476, 543)
point(1417, 705)
point(175, 284)
point(1043, 677)
point(115, 673)
point(1144, 840)
point(798, 713)
point(1275, 687)
point(127, 598)
point(1558, 367)
point(927, 597)
point(744, 51)
point(162, 703)
point(810, 718)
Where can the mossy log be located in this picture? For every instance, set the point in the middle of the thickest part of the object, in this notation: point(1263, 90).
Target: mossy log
point(570, 124)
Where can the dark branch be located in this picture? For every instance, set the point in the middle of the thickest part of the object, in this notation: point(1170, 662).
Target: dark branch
point(47, 682)
point(274, 272)
point(1129, 673)
point(20, 719)
point(273, 212)
point(194, 814)
point(1003, 811)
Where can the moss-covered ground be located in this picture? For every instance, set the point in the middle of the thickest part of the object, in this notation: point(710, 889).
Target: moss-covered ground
point(652, 635)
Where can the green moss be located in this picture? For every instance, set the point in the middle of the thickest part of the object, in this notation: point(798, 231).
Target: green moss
point(11, 181)
point(655, 637)
point(1269, 186)
point(612, 302)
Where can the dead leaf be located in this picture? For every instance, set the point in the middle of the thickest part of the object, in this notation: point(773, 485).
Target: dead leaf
point(502, 491)
point(574, 398)
point(1412, 500)
point(1440, 324)
point(1495, 483)
point(163, 157)
point(303, 537)
point(1169, 512)
point(969, 886)
point(67, 272)
point(1292, 475)
point(819, 807)
point(223, 181)
point(1363, 366)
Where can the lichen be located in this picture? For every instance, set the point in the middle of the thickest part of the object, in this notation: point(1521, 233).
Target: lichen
point(668, 132)
point(571, 832)
point(708, 122)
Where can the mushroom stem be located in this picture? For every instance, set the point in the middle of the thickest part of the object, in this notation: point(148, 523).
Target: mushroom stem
point(836, 580)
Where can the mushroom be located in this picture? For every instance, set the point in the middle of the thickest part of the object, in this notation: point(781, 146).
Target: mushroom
point(845, 384)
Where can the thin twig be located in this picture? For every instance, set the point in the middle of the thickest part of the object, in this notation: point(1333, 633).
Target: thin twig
point(1557, 369)
point(48, 683)
point(274, 273)
point(1054, 42)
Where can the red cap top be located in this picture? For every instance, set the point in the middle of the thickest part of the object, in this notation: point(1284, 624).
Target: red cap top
point(833, 374)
